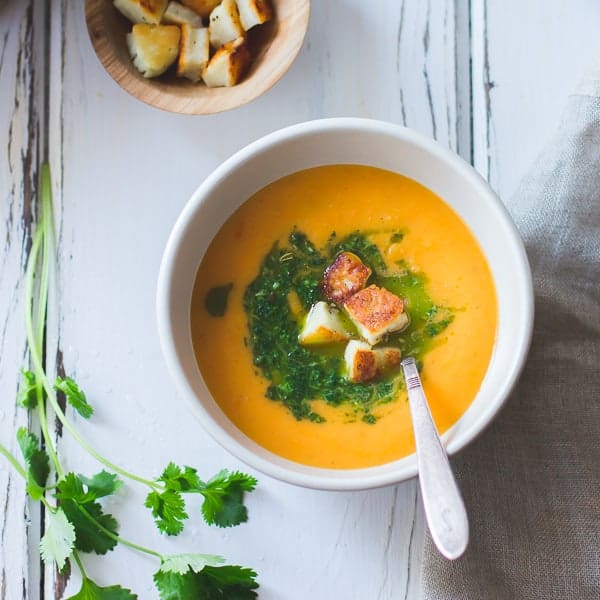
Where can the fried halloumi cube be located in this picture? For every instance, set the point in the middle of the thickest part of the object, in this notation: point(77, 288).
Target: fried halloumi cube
point(193, 52)
point(202, 7)
point(178, 14)
point(142, 11)
point(228, 64)
point(376, 311)
point(254, 12)
point(224, 24)
point(345, 276)
point(387, 358)
point(153, 48)
point(323, 326)
point(360, 360)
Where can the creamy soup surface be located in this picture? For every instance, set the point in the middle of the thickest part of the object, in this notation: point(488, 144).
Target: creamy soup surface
point(450, 293)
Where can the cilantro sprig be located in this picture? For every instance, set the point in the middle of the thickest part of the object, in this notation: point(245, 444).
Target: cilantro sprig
point(223, 498)
point(76, 518)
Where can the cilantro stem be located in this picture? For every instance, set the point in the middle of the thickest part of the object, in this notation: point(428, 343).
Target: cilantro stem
point(35, 347)
point(13, 461)
point(44, 235)
point(47, 504)
point(21, 471)
point(79, 564)
point(118, 538)
point(47, 232)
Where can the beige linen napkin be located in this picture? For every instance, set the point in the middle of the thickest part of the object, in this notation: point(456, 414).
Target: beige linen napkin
point(531, 482)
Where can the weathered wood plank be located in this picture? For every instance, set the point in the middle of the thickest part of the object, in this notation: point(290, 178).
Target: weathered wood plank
point(21, 99)
point(527, 58)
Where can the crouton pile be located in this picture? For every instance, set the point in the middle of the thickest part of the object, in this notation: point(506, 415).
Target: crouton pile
point(374, 311)
point(188, 32)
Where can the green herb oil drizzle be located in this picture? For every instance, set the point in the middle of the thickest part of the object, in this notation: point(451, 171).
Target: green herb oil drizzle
point(298, 375)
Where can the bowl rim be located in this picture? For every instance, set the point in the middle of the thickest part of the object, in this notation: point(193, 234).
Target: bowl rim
point(316, 477)
point(164, 99)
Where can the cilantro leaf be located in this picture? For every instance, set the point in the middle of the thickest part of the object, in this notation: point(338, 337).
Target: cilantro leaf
point(83, 489)
point(70, 487)
point(180, 480)
point(90, 522)
point(89, 537)
point(172, 586)
point(57, 543)
point(212, 583)
point(102, 484)
point(74, 395)
point(224, 498)
point(27, 395)
point(36, 459)
point(182, 563)
point(168, 510)
point(90, 591)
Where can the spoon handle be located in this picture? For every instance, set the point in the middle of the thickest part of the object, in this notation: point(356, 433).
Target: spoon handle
point(444, 508)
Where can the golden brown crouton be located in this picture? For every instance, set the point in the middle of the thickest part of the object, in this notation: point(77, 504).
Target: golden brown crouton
point(376, 311)
point(224, 24)
point(387, 358)
point(323, 326)
point(193, 52)
point(254, 12)
point(153, 48)
point(360, 361)
point(202, 7)
point(177, 14)
point(228, 64)
point(345, 276)
point(142, 11)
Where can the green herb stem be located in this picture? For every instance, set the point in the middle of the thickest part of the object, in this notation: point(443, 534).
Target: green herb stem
point(35, 347)
point(118, 538)
point(79, 564)
point(47, 231)
point(13, 461)
point(44, 236)
point(47, 504)
point(21, 471)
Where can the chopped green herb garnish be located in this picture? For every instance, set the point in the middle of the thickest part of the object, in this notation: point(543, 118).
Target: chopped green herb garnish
point(366, 250)
point(216, 300)
point(298, 375)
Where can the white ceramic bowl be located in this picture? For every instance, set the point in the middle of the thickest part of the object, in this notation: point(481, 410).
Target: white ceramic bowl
point(337, 141)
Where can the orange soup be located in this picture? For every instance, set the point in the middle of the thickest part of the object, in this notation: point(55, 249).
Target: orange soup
point(256, 293)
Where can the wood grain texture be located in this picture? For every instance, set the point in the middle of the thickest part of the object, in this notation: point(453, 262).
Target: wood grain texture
point(21, 85)
point(274, 46)
point(527, 58)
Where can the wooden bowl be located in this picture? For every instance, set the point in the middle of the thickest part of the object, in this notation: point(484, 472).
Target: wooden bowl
point(274, 46)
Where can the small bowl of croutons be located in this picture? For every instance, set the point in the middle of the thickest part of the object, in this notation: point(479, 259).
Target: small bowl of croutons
point(197, 56)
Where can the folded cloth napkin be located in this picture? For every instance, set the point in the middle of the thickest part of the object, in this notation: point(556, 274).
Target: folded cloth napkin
point(531, 482)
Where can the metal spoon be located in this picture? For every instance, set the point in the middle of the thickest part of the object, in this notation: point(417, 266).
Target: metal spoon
point(444, 508)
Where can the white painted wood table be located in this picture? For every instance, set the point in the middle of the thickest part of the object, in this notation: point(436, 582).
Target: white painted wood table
point(487, 78)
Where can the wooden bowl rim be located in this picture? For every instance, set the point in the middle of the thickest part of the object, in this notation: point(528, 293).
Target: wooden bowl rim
point(154, 93)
